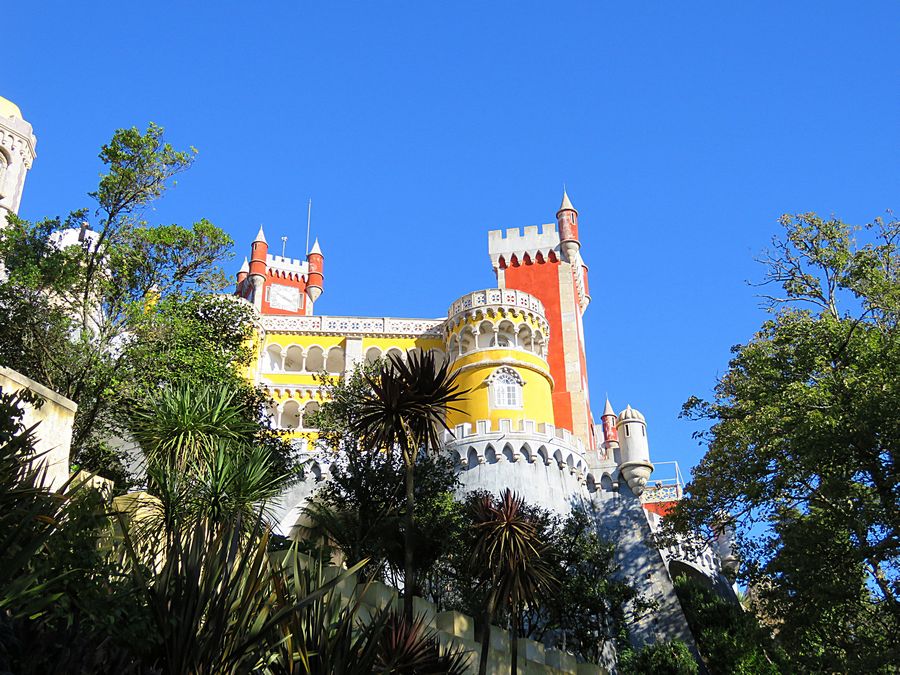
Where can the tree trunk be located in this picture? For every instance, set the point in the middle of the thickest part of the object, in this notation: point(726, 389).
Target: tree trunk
point(514, 641)
point(409, 572)
point(486, 635)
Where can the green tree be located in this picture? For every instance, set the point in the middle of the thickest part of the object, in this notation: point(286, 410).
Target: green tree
point(105, 314)
point(729, 638)
point(403, 410)
point(511, 562)
point(661, 658)
point(805, 427)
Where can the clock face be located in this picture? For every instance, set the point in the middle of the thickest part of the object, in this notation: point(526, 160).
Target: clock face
point(284, 297)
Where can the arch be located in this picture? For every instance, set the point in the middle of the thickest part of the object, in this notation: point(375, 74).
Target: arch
point(509, 453)
point(466, 340)
point(454, 347)
point(505, 336)
point(290, 415)
point(528, 453)
point(309, 410)
point(539, 343)
point(372, 355)
point(273, 358)
point(395, 353)
point(335, 363)
point(591, 483)
point(560, 462)
point(506, 388)
point(606, 483)
point(485, 334)
point(316, 471)
point(315, 360)
point(544, 455)
point(679, 568)
point(490, 455)
point(523, 337)
point(293, 359)
point(472, 458)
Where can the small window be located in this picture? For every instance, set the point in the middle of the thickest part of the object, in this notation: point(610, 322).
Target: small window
point(506, 388)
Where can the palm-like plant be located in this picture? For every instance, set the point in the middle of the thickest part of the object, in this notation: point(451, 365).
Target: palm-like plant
point(405, 410)
point(512, 560)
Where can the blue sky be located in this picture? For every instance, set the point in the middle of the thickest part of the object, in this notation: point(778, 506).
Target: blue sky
point(682, 130)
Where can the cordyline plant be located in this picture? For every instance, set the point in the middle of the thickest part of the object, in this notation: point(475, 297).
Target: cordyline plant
point(404, 411)
point(511, 560)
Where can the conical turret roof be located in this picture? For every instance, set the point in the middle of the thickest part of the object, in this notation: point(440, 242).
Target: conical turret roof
point(246, 266)
point(260, 236)
point(566, 204)
point(315, 248)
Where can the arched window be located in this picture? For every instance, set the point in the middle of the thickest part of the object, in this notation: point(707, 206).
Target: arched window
point(335, 362)
point(272, 351)
point(372, 355)
point(315, 360)
point(4, 163)
point(506, 388)
point(293, 360)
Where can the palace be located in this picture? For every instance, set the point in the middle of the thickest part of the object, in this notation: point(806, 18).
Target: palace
point(518, 347)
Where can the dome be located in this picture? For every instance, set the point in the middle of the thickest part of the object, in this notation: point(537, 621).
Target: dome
point(9, 109)
point(630, 414)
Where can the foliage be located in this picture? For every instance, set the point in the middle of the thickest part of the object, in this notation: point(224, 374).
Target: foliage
point(730, 639)
point(661, 658)
point(206, 457)
point(594, 605)
point(803, 443)
point(511, 562)
point(103, 315)
point(402, 410)
point(325, 636)
point(361, 509)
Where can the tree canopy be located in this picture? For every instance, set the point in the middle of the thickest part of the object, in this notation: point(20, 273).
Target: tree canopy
point(803, 435)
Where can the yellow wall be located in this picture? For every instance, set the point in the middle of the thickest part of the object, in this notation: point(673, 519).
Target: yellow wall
point(475, 367)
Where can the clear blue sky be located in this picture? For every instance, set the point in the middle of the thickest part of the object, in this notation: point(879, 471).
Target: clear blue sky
point(683, 130)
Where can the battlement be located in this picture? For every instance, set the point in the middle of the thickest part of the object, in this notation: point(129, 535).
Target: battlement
point(514, 241)
point(283, 264)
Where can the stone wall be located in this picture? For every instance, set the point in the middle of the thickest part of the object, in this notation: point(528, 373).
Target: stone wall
point(54, 418)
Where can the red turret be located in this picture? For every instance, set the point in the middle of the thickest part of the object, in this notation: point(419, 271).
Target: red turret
point(610, 432)
point(567, 222)
point(258, 251)
point(242, 274)
point(315, 278)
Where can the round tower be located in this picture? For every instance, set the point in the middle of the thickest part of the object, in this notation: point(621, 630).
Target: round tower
point(259, 249)
point(567, 223)
point(17, 143)
point(315, 277)
point(634, 463)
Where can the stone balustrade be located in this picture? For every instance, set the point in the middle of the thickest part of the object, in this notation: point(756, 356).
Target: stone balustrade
point(496, 297)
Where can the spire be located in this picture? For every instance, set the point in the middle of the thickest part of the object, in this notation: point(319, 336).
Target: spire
point(315, 248)
point(566, 203)
point(260, 237)
point(246, 266)
point(608, 410)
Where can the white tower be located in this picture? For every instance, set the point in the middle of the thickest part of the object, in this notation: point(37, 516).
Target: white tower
point(17, 153)
point(634, 451)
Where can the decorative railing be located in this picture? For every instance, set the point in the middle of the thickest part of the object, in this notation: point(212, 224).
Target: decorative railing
point(496, 297)
point(669, 489)
point(353, 325)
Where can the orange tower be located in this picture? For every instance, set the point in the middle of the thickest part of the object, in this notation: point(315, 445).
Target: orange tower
point(548, 265)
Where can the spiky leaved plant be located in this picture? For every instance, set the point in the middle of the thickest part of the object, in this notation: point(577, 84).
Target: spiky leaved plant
point(404, 410)
point(512, 562)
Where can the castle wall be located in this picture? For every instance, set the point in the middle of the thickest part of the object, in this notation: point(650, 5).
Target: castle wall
point(54, 418)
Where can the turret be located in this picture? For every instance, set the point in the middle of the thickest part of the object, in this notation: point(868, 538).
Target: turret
point(17, 153)
point(634, 463)
point(610, 432)
point(242, 273)
point(257, 268)
point(315, 278)
point(567, 223)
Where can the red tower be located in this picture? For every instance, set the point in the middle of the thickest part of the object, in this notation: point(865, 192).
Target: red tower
point(280, 285)
point(548, 265)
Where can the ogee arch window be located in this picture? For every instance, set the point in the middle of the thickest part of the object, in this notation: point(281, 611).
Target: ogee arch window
point(506, 388)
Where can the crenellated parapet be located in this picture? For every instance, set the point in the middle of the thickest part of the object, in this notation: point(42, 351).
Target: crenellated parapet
point(524, 441)
point(514, 245)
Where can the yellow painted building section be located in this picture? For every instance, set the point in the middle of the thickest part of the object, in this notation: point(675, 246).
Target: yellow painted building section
point(474, 370)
